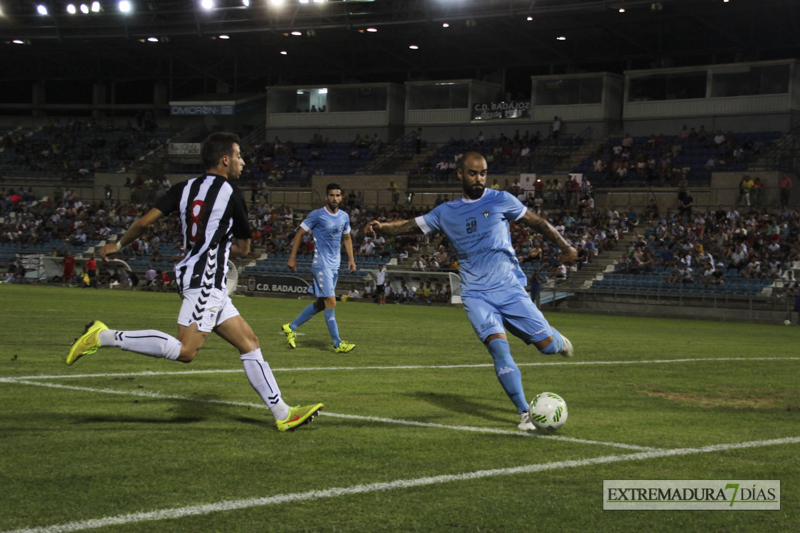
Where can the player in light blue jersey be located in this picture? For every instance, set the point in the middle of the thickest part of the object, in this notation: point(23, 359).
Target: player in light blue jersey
point(492, 283)
point(329, 225)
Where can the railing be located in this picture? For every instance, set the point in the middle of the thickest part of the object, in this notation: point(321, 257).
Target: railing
point(627, 198)
point(713, 305)
point(392, 156)
point(784, 155)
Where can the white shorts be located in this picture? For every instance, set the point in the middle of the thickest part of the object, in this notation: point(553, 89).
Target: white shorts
point(207, 308)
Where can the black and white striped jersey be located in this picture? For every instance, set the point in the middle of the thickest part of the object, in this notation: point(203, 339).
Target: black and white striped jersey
point(213, 212)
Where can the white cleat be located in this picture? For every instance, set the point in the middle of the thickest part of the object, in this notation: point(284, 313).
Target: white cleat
point(566, 349)
point(525, 423)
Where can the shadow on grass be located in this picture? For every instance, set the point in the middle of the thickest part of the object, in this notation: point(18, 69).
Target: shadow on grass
point(460, 404)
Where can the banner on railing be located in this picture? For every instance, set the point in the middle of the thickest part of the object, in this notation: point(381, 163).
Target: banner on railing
point(184, 148)
point(278, 284)
point(501, 110)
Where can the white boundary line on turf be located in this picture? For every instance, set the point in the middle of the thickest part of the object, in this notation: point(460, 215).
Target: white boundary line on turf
point(232, 505)
point(156, 395)
point(404, 367)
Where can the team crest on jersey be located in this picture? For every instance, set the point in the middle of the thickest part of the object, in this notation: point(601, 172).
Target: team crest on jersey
point(486, 214)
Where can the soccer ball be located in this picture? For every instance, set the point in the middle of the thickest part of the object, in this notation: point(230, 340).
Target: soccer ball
point(548, 411)
point(787, 323)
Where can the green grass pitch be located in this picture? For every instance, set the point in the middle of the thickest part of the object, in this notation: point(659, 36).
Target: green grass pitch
point(103, 448)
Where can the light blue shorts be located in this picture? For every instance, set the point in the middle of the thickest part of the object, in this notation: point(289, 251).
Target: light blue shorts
point(493, 312)
point(325, 282)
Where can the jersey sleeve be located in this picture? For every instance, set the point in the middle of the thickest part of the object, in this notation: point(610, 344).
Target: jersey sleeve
point(346, 224)
point(310, 221)
point(430, 221)
point(513, 209)
point(241, 223)
point(171, 200)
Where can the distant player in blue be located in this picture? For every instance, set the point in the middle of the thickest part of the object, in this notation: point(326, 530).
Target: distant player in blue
point(329, 225)
point(492, 283)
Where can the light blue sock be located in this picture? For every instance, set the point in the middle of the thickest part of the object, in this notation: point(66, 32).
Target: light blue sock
point(557, 345)
point(330, 320)
point(303, 317)
point(508, 373)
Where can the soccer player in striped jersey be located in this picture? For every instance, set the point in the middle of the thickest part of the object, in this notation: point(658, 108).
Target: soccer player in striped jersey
point(330, 225)
point(492, 283)
point(215, 226)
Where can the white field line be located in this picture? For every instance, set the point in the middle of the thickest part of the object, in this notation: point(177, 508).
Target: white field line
point(156, 395)
point(405, 367)
point(232, 505)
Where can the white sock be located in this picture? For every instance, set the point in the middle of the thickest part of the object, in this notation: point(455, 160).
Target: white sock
point(260, 376)
point(146, 342)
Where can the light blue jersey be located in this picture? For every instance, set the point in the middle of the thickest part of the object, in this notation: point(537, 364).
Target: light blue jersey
point(479, 232)
point(328, 230)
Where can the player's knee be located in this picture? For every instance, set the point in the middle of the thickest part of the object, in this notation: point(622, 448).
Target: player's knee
point(330, 302)
point(188, 354)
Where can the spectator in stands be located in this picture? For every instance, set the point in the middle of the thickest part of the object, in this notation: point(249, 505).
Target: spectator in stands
point(683, 135)
point(395, 192)
point(353, 293)
point(685, 207)
point(555, 128)
point(150, 276)
point(745, 186)
point(758, 192)
point(785, 185)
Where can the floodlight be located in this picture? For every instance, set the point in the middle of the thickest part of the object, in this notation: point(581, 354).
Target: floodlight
point(561, 38)
point(41, 9)
point(18, 41)
point(284, 52)
point(125, 6)
point(95, 7)
point(84, 9)
point(372, 30)
point(71, 9)
point(622, 10)
point(296, 33)
point(414, 47)
point(530, 19)
point(445, 25)
point(152, 39)
point(303, 1)
point(207, 4)
point(224, 37)
point(277, 2)
point(246, 3)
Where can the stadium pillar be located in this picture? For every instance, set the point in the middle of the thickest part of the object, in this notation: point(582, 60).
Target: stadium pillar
point(99, 98)
point(39, 98)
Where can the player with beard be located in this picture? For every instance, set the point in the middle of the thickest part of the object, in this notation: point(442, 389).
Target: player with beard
point(215, 226)
point(330, 225)
point(492, 283)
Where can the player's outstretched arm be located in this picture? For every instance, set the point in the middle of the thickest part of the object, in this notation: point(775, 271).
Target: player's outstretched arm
point(568, 253)
point(396, 227)
point(136, 230)
point(298, 238)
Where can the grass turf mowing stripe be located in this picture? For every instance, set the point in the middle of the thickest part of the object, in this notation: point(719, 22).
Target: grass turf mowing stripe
point(406, 367)
point(232, 505)
point(156, 395)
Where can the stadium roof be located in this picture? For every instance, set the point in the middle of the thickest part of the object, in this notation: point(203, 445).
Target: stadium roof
point(501, 40)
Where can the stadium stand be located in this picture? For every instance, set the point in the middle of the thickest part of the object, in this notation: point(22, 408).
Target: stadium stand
point(76, 149)
point(664, 160)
